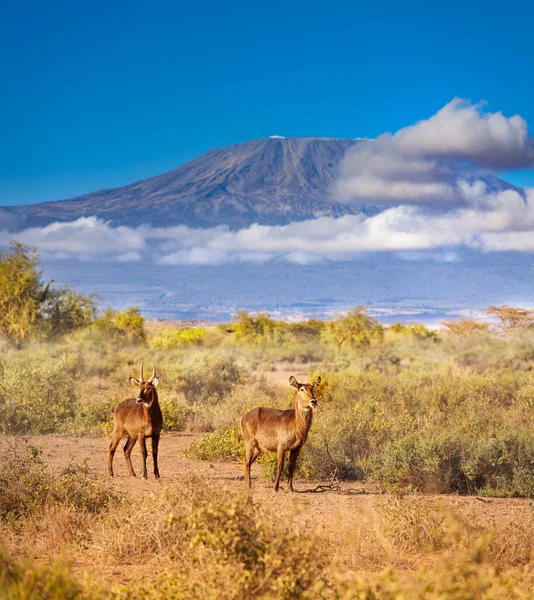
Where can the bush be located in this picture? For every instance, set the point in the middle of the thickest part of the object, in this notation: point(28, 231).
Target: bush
point(222, 444)
point(165, 338)
point(28, 308)
point(356, 329)
point(128, 325)
point(260, 329)
point(223, 546)
point(27, 488)
point(28, 580)
point(209, 379)
point(175, 413)
point(416, 330)
point(36, 398)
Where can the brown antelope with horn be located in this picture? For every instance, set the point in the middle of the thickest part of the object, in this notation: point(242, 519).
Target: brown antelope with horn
point(279, 431)
point(138, 418)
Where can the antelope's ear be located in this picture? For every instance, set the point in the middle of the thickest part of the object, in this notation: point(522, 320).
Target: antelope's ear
point(316, 382)
point(155, 382)
point(293, 382)
point(134, 381)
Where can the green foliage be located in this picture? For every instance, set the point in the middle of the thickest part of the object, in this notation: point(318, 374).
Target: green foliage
point(165, 338)
point(128, 325)
point(306, 331)
point(36, 398)
point(28, 308)
point(416, 330)
point(260, 329)
point(65, 310)
point(356, 329)
point(209, 379)
point(28, 580)
point(222, 444)
point(21, 293)
point(434, 430)
point(175, 413)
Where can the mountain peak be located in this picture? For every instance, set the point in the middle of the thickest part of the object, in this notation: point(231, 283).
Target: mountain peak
point(273, 180)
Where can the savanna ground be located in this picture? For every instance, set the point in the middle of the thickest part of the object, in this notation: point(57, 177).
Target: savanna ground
point(416, 482)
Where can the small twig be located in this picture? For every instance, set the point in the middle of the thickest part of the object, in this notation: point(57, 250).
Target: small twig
point(483, 500)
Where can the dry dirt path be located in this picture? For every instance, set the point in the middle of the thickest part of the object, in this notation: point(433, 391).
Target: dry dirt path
point(325, 508)
point(346, 519)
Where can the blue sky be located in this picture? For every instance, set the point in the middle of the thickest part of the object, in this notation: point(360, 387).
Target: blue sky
point(101, 94)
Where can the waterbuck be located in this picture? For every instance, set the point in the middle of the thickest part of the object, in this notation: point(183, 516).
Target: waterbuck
point(138, 418)
point(279, 431)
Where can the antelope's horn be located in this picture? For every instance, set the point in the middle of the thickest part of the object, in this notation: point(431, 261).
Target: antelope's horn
point(141, 373)
point(153, 372)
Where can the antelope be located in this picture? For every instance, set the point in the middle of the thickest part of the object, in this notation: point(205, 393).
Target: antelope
point(138, 418)
point(279, 431)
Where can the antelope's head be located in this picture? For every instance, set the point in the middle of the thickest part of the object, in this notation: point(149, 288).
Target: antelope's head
point(147, 389)
point(305, 397)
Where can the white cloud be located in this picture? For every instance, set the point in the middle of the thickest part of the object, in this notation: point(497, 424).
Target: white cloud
point(428, 162)
point(86, 238)
point(464, 131)
point(493, 221)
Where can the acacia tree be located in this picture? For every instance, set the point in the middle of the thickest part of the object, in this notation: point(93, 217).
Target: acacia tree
point(512, 318)
point(357, 328)
point(28, 307)
point(465, 326)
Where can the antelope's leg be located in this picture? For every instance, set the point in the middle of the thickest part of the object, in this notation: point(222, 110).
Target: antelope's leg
point(279, 468)
point(144, 454)
point(252, 453)
point(249, 452)
point(293, 455)
point(127, 451)
point(155, 443)
point(115, 440)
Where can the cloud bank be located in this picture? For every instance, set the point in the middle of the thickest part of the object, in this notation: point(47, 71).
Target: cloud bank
point(428, 162)
point(493, 222)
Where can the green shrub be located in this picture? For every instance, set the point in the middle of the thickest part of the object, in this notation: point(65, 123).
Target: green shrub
point(168, 337)
point(175, 412)
point(128, 325)
point(416, 330)
point(29, 308)
point(29, 580)
point(36, 398)
point(260, 329)
point(209, 379)
point(222, 444)
point(355, 329)
point(95, 415)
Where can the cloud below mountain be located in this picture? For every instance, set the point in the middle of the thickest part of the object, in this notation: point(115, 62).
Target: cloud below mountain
point(499, 221)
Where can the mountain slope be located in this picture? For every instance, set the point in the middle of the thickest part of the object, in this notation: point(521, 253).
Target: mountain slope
point(269, 181)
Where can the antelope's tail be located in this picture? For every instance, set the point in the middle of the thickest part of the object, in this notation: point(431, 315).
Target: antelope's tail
point(240, 431)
